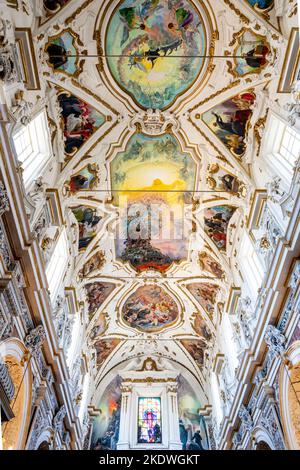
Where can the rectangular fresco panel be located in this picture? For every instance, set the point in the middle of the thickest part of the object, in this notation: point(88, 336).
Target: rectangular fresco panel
point(154, 177)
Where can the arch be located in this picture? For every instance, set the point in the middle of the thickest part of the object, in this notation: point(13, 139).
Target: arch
point(45, 437)
point(14, 432)
point(44, 446)
point(289, 402)
point(262, 440)
point(262, 445)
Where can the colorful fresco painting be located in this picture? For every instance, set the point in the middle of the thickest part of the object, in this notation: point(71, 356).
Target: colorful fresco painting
point(230, 120)
point(63, 53)
point(201, 328)
point(149, 420)
point(79, 121)
point(192, 428)
point(100, 327)
point(160, 173)
point(106, 426)
point(97, 293)
point(196, 348)
point(85, 180)
point(251, 53)
point(262, 6)
point(220, 180)
point(104, 347)
point(153, 41)
point(216, 221)
point(205, 294)
point(209, 264)
point(88, 220)
point(95, 263)
point(149, 308)
point(53, 6)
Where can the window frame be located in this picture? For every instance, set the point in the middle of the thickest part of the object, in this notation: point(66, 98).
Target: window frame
point(38, 134)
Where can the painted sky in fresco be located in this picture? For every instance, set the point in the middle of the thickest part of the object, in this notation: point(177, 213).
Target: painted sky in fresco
point(162, 29)
point(157, 168)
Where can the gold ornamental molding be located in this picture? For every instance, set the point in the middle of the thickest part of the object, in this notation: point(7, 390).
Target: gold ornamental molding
point(238, 12)
point(214, 95)
point(78, 11)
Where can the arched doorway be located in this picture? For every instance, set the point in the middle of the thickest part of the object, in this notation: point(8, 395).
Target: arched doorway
point(14, 431)
point(44, 446)
point(263, 446)
point(290, 396)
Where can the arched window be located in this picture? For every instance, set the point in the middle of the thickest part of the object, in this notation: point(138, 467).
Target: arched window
point(216, 398)
point(251, 266)
point(57, 265)
point(33, 148)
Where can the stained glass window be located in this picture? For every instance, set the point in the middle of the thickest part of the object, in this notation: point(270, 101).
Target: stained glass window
point(149, 421)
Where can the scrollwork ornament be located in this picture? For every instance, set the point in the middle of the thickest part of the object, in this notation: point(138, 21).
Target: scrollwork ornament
point(275, 340)
point(35, 339)
point(4, 202)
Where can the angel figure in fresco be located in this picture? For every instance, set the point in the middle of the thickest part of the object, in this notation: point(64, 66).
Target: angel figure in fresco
point(257, 57)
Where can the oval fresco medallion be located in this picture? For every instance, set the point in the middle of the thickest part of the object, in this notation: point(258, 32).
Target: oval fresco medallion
point(149, 309)
point(151, 47)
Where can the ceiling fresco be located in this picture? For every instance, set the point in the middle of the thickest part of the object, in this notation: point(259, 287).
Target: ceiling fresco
point(79, 120)
point(196, 349)
point(149, 309)
point(216, 221)
point(85, 179)
point(153, 172)
point(88, 221)
point(62, 51)
point(180, 141)
point(205, 294)
point(209, 264)
point(97, 293)
point(155, 39)
point(229, 121)
point(95, 263)
point(251, 53)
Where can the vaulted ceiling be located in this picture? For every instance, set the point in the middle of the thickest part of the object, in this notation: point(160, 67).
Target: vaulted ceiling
point(154, 103)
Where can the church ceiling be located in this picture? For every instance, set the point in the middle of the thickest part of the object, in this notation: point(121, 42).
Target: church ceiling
point(145, 116)
point(142, 34)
